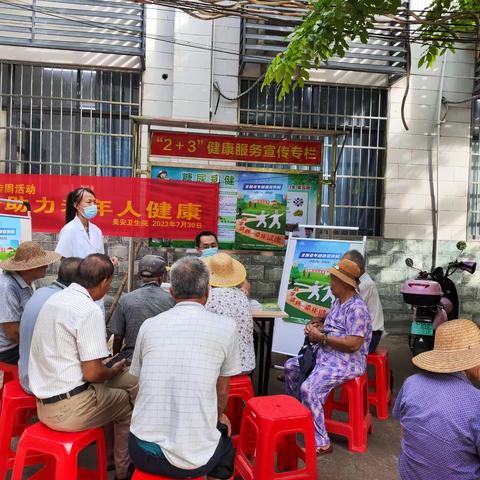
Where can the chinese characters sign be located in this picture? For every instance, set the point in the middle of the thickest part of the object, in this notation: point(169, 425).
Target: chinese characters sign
point(130, 207)
point(237, 149)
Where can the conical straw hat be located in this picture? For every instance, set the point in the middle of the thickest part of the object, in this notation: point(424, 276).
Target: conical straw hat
point(456, 348)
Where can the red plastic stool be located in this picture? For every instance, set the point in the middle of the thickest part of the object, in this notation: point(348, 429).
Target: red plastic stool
point(380, 394)
point(241, 391)
point(16, 403)
point(139, 475)
point(354, 400)
point(10, 372)
point(269, 426)
point(64, 447)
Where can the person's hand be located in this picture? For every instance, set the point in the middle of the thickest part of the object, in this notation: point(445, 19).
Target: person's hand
point(115, 261)
point(226, 421)
point(118, 367)
point(313, 333)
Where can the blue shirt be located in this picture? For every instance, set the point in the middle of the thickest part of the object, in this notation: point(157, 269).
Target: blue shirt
point(27, 324)
point(440, 417)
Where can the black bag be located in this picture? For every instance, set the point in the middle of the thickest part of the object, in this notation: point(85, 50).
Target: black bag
point(306, 360)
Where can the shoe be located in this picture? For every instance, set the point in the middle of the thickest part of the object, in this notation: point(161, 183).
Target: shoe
point(324, 451)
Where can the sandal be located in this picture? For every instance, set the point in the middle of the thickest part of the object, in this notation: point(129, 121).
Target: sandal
point(324, 451)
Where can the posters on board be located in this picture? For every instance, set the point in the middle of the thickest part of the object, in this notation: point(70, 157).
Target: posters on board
point(261, 211)
point(10, 236)
point(300, 206)
point(305, 287)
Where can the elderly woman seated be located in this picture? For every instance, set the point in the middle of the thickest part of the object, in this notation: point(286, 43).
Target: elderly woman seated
point(228, 299)
point(439, 408)
point(341, 346)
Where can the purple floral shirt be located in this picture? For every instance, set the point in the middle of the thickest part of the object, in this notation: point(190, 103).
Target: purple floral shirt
point(345, 319)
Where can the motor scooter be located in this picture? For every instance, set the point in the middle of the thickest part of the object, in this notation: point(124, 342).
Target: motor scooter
point(434, 300)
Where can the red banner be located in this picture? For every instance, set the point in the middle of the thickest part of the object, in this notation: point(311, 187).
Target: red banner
point(127, 207)
point(236, 149)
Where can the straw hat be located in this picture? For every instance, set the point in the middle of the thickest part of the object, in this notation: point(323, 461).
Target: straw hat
point(347, 271)
point(29, 255)
point(225, 271)
point(457, 348)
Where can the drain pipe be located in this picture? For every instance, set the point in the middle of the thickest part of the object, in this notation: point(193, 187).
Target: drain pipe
point(438, 133)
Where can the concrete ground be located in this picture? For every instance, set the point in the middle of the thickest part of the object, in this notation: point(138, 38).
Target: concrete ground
point(378, 463)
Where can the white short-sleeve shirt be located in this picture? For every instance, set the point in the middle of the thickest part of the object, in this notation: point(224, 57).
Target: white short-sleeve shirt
point(74, 241)
point(70, 329)
point(369, 293)
point(178, 357)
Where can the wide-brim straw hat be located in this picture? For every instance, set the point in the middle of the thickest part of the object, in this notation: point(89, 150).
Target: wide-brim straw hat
point(29, 255)
point(456, 348)
point(347, 271)
point(225, 271)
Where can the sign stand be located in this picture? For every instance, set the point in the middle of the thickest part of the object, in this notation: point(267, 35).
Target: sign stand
point(304, 289)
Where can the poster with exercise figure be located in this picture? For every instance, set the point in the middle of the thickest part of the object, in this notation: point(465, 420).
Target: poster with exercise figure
point(261, 211)
point(305, 288)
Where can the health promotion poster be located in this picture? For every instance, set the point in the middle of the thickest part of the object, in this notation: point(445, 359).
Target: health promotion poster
point(261, 211)
point(10, 236)
point(301, 199)
point(305, 287)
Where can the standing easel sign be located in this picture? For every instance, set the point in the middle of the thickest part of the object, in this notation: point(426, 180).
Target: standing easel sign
point(305, 287)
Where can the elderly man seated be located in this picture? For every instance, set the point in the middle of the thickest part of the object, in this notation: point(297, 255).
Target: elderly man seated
point(439, 408)
point(341, 347)
point(184, 359)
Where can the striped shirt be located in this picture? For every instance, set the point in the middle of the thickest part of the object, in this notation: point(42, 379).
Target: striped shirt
point(70, 329)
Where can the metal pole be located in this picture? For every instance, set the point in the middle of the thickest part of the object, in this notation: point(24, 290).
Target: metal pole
point(332, 185)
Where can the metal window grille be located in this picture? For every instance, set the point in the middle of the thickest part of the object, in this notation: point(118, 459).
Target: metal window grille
point(474, 210)
point(66, 121)
point(363, 112)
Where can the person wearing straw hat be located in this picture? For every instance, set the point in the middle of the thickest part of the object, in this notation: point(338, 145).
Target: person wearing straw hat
point(341, 347)
point(29, 263)
point(228, 299)
point(439, 409)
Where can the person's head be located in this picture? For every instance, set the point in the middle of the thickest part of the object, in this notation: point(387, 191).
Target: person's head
point(344, 278)
point(67, 272)
point(308, 232)
point(163, 174)
point(189, 280)
point(82, 202)
point(456, 349)
point(95, 273)
point(225, 271)
point(358, 258)
point(30, 261)
point(151, 268)
point(206, 243)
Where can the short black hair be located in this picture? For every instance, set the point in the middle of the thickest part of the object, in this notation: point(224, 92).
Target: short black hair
point(67, 272)
point(205, 233)
point(356, 257)
point(94, 269)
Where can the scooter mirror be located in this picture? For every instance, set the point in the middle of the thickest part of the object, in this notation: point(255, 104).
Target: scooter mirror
point(409, 262)
point(461, 246)
point(469, 267)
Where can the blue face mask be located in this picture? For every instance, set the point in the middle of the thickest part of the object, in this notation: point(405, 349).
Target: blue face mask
point(208, 252)
point(90, 212)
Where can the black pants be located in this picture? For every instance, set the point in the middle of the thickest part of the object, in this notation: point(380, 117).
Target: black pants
point(220, 464)
point(10, 356)
point(376, 336)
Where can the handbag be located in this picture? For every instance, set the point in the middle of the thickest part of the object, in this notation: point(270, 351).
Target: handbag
point(306, 361)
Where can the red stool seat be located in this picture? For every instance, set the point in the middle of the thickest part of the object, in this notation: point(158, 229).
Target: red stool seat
point(15, 405)
point(61, 449)
point(240, 392)
point(270, 426)
point(380, 394)
point(354, 400)
point(139, 475)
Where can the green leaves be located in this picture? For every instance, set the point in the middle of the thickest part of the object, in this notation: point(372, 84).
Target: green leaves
point(330, 25)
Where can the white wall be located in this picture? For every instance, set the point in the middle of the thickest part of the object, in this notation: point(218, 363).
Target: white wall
point(412, 155)
point(184, 54)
